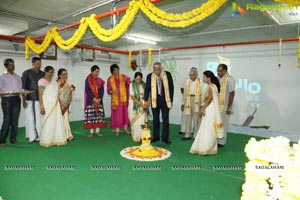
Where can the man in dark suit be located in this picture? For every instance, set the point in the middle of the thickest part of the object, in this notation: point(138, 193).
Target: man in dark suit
point(160, 88)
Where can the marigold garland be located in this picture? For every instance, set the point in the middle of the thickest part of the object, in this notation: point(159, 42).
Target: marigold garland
point(149, 57)
point(119, 30)
point(158, 16)
point(30, 44)
point(71, 42)
point(180, 20)
point(102, 34)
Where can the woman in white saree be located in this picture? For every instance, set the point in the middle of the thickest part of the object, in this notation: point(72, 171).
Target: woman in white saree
point(65, 93)
point(211, 126)
point(135, 109)
point(53, 132)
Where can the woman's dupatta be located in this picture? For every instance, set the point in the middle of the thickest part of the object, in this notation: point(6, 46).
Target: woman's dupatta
point(94, 84)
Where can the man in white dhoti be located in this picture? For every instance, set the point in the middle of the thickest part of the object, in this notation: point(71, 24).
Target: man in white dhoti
point(30, 79)
point(192, 99)
point(227, 93)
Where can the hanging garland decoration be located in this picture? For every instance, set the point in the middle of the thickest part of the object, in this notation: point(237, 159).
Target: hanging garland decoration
point(119, 30)
point(180, 20)
point(291, 2)
point(38, 49)
point(158, 16)
point(71, 42)
point(102, 34)
point(27, 53)
point(149, 57)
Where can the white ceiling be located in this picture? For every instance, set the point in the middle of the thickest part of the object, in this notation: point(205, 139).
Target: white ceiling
point(39, 16)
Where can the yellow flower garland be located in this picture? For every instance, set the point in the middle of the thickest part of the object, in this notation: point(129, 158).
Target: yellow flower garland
point(149, 57)
point(71, 42)
point(102, 34)
point(120, 29)
point(180, 20)
point(158, 16)
point(291, 2)
point(30, 44)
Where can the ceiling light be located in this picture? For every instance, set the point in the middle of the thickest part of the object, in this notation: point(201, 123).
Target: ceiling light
point(140, 39)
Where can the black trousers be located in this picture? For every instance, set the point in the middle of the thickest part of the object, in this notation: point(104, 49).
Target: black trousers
point(11, 110)
point(161, 106)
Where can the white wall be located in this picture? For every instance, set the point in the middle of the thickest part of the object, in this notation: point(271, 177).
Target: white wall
point(253, 67)
point(260, 82)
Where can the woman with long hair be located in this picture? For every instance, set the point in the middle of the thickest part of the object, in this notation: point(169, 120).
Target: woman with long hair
point(211, 126)
point(65, 93)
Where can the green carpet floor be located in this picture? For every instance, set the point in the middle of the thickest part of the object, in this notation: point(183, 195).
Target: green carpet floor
point(83, 183)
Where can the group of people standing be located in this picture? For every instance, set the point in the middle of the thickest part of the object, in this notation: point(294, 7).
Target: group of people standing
point(208, 109)
point(46, 106)
point(129, 102)
point(118, 88)
point(54, 100)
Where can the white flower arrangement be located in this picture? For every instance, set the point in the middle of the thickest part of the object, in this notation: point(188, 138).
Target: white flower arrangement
point(273, 170)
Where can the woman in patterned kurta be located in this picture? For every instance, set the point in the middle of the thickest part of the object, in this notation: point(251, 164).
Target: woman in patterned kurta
point(118, 88)
point(94, 116)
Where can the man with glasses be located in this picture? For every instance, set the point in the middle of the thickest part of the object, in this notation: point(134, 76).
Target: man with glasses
point(10, 84)
point(30, 80)
point(160, 89)
point(227, 93)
